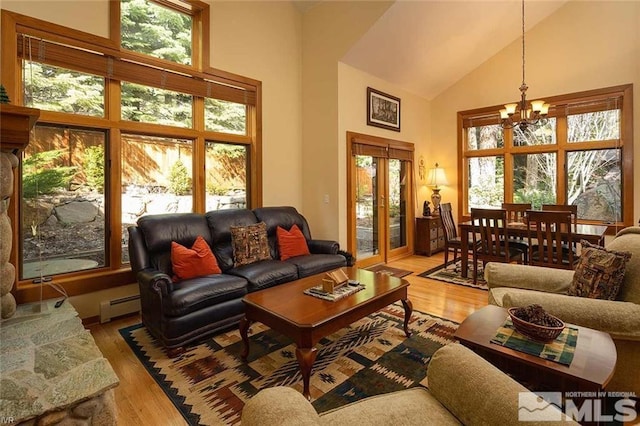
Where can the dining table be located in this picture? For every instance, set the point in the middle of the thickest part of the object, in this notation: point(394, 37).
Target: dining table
point(592, 233)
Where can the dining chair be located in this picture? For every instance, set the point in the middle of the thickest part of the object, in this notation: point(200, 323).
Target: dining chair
point(490, 240)
point(573, 208)
point(451, 239)
point(517, 213)
point(552, 231)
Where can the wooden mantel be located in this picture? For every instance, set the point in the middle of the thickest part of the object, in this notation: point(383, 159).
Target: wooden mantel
point(16, 123)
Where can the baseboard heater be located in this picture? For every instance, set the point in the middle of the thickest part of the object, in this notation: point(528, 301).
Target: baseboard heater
point(110, 309)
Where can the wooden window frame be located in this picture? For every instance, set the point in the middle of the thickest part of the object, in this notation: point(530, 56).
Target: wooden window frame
point(587, 101)
point(81, 51)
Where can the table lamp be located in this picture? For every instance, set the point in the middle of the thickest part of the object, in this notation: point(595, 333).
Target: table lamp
point(435, 179)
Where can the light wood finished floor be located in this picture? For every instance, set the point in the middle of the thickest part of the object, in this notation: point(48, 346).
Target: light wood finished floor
point(141, 401)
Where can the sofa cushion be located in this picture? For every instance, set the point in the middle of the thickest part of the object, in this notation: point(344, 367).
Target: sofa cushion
point(266, 273)
point(316, 263)
point(197, 293)
point(599, 273)
point(415, 406)
point(628, 239)
point(291, 243)
point(220, 223)
point(284, 217)
point(194, 262)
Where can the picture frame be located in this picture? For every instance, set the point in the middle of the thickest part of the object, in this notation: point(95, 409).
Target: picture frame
point(383, 110)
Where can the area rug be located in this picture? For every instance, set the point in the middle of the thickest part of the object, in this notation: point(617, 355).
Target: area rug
point(209, 384)
point(384, 269)
point(451, 273)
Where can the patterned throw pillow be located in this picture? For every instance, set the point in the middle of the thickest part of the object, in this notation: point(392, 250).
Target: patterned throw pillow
point(250, 244)
point(599, 273)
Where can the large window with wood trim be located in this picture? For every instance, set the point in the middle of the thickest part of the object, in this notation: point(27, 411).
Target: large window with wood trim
point(132, 125)
point(582, 154)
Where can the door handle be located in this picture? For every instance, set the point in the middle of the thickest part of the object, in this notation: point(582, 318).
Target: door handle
point(382, 201)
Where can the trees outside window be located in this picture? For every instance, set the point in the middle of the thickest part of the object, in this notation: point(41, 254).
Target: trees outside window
point(576, 156)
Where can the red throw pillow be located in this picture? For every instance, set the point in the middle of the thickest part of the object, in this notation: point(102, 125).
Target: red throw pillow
point(291, 243)
point(194, 262)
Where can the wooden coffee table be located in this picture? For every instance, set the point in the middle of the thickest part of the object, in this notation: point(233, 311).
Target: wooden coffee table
point(307, 319)
point(591, 370)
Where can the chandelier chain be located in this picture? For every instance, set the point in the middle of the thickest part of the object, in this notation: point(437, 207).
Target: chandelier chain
point(523, 83)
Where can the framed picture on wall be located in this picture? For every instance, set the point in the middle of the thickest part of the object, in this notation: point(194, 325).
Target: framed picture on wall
point(383, 110)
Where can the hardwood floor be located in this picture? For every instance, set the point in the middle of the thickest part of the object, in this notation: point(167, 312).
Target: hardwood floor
point(141, 401)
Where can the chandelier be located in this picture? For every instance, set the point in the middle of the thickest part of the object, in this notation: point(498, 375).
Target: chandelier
point(528, 114)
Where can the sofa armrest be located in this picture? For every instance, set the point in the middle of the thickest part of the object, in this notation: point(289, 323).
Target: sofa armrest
point(155, 280)
point(281, 406)
point(549, 280)
point(473, 390)
point(620, 319)
point(323, 246)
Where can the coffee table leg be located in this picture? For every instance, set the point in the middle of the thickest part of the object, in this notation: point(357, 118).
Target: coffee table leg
point(244, 329)
point(408, 310)
point(306, 358)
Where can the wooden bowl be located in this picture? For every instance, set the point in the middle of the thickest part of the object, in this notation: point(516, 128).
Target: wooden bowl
point(539, 333)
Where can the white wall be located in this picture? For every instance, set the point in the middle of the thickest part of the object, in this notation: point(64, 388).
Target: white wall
point(583, 46)
point(263, 40)
point(352, 116)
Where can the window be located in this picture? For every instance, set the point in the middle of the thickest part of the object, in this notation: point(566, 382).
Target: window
point(149, 28)
point(226, 176)
point(63, 198)
point(577, 156)
point(127, 127)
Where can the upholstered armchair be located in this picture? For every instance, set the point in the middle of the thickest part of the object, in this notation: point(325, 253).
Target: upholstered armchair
point(519, 285)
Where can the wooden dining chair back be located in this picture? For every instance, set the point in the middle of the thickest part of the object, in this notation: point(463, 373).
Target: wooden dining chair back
point(549, 234)
point(516, 212)
point(452, 242)
point(490, 240)
point(573, 208)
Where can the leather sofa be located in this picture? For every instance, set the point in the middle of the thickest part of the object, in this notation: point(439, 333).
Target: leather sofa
point(177, 313)
point(520, 285)
point(463, 389)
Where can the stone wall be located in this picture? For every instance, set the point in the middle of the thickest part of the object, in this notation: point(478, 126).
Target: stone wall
point(8, 162)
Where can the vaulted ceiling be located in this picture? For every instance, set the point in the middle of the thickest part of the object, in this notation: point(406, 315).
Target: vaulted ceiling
point(426, 46)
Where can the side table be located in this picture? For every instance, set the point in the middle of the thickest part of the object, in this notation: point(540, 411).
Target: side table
point(429, 235)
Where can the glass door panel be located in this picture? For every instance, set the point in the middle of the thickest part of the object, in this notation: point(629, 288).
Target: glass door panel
point(398, 195)
point(368, 207)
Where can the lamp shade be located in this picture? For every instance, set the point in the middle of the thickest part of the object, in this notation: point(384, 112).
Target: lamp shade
point(437, 177)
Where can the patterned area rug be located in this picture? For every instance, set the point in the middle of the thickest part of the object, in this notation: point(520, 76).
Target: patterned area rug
point(384, 269)
point(209, 383)
point(451, 273)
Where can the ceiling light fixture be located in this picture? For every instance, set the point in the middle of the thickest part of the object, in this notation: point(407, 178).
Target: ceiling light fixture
point(529, 115)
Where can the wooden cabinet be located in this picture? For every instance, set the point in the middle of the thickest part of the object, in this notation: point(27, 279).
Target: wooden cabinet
point(429, 235)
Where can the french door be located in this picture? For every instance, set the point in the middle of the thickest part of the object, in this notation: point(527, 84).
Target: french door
point(381, 212)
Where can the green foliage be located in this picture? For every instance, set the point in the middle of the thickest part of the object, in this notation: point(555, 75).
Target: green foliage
point(216, 189)
point(62, 90)
point(179, 179)
point(534, 196)
point(4, 97)
point(41, 176)
point(155, 30)
point(223, 116)
point(94, 167)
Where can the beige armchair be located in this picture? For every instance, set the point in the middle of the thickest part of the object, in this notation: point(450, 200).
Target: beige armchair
point(518, 285)
point(463, 389)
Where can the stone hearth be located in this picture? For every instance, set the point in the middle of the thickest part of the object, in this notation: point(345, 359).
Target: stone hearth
point(51, 370)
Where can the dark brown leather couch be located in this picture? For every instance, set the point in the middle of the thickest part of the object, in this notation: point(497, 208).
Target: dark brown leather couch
point(177, 313)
